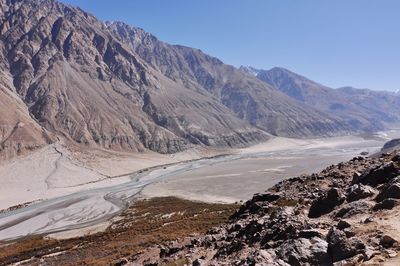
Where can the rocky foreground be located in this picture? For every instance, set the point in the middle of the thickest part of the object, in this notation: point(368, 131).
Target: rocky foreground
point(345, 215)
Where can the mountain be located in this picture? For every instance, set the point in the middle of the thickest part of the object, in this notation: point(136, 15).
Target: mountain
point(361, 109)
point(385, 104)
point(19, 133)
point(254, 101)
point(69, 76)
point(78, 81)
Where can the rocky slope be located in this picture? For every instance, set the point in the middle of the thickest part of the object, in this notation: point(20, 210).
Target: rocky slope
point(362, 109)
point(251, 100)
point(345, 215)
point(391, 146)
point(19, 133)
point(78, 81)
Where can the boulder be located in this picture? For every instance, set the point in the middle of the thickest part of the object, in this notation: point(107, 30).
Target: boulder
point(387, 241)
point(342, 225)
point(268, 257)
point(304, 251)
point(269, 197)
point(390, 191)
point(326, 203)
point(199, 262)
point(354, 208)
point(340, 247)
point(377, 175)
point(309, 233)
point(359, 191)
point(386, 204)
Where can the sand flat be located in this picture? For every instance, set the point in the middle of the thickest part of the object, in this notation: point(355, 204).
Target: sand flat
point(89, 199)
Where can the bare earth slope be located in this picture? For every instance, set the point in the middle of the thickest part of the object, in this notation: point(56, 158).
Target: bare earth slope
point(364, 110)
point(249, 98)
point(80, 82)
point(18, 131)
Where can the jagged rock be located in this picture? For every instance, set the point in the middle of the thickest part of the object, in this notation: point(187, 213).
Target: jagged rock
point(349, 233)
point(269, 258)
point(342, 225)
point(391, 191)
point(387, 241)
point(199, 262)
point(326, 203)
point(378, 175)
point(302, 251)
point(234, 246)
point(370, 253)
point(310, 233)
point(353, 208)
point(340, 247)
point(396, 158)
point(269, 197)
point(252, 230)
point(386, 204)
point(359, 191)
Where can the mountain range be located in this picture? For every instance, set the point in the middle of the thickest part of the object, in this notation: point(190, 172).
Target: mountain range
point(65, 75)
point(362, 109)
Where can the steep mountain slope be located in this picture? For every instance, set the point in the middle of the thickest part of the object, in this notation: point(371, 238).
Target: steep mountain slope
point(250, 99)
point(18, 131)
point(383, 103)
point(81, 83)
point(366, 111)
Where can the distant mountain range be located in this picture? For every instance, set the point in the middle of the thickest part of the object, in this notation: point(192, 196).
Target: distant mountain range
point(362, 109)
point(66, 75)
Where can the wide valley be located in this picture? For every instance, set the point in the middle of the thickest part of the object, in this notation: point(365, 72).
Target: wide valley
point(213, 179)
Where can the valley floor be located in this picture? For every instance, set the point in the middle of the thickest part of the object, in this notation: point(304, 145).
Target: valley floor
point(77, 190)
point(145, 223)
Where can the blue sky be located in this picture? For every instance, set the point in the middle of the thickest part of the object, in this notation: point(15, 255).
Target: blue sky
point(337, 43)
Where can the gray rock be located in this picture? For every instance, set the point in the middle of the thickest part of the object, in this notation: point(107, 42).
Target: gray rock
point(359, 191)
point(342, 225)
point(377, 175)
point(386, 204)
point(391, 191)
point(387, 241)
point(340, 247)
point(326, 203)
point(199, 262)
point(303, 251)
point(269, 197)
point(353, 208)
point(310, 233)
point(269, 258)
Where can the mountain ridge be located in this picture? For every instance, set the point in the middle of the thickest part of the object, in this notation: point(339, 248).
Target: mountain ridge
point(361, 108)
point(118, 87)
point(241, 93)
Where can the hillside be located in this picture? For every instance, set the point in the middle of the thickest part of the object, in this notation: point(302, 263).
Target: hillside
point(259, 104)
point(79, 82)
point(362, 109)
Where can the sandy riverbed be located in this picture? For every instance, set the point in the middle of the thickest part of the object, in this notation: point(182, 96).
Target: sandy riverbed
point(81, 193)
point(260, 167)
